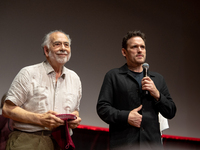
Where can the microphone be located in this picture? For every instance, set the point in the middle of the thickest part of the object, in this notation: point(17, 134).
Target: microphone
point(145, 67)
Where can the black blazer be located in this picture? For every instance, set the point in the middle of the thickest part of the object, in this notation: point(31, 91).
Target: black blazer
point(119, 95)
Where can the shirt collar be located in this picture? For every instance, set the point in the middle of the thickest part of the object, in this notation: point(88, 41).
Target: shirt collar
point(124, 69)
point(49, 69)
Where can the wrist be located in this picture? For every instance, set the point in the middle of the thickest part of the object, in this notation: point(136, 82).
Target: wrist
point(157, 97)
point(38, 119)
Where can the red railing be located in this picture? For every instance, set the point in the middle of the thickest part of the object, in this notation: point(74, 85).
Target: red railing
point(164, 136)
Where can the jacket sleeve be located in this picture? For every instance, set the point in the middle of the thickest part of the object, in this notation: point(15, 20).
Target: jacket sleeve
point(165, 104)
point(105, 105)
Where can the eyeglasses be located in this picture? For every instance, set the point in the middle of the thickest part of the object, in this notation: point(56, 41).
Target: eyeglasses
point(58, 44)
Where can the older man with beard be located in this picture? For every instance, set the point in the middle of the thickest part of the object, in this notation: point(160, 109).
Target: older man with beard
point(40, 92)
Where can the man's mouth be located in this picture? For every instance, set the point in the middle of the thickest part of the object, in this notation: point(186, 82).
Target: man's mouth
point(139, 55)
point(61, 52)
point(62, 55)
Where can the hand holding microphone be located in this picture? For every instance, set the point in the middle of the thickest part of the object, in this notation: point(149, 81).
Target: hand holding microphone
point(145, 67)
point(148, 84)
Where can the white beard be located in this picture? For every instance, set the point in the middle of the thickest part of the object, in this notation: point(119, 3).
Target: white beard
point(58, 59)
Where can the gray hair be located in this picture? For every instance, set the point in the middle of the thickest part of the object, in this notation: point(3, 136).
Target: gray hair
point(47, 41)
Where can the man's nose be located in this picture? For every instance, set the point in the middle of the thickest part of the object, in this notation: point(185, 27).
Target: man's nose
point(64, 49)
point(139, 49)
point(63, 46)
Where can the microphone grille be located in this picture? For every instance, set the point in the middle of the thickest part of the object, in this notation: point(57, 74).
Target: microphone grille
point(145, 65)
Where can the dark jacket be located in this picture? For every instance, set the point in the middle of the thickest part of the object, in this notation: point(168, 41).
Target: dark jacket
point(120, 93)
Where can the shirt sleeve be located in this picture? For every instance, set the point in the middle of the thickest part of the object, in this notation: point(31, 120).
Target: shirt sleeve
point(18, 90)
point(165, 105)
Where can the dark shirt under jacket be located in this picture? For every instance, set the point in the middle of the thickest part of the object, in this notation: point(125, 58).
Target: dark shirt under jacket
point(120, 93)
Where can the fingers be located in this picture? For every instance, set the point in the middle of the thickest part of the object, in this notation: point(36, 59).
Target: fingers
point(134, 117)
point(51, 116)
point(74, 123)
point(148, 84)
point(77, 121)
point(54, 118)
point(146, 80)
point(138, 108)
point(58, 120)
point(52, 112)
point(50, 121)
point(72, 126)
point(76, 113)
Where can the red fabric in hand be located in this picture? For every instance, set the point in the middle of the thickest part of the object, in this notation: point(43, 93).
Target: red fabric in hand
point(63, 138)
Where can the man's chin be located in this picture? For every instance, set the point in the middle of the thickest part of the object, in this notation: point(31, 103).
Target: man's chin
point(141, 62)
point(62, 62)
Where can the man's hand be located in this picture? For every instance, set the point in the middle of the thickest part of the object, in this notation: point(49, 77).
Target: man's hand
point(148, 85)
point(134, 118)
point(50, 121)
point(74, 123)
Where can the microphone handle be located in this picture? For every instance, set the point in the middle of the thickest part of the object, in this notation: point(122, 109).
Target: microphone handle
point(145, 75)
point(145, 72)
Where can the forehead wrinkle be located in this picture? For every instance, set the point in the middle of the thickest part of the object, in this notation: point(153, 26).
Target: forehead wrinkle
point(136, 41)
point(60, 42)
point(58, 36)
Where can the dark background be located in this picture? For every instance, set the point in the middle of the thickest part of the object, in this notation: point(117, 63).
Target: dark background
point(96, 28)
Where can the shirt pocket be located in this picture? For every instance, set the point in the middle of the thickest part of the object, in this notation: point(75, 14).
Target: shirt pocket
point(39, 99)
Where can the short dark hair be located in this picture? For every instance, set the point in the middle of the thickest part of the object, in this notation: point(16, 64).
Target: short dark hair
point(131, 34)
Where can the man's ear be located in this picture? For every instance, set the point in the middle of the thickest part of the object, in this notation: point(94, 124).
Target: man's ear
point(124, 52)
point(46, 51)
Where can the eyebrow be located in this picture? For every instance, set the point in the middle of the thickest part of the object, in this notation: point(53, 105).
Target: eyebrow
point(60, 42)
